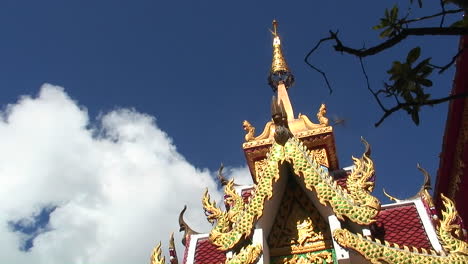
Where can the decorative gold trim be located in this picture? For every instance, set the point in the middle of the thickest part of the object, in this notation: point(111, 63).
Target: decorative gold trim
point(247, 255)
point(156, 255)
point(377, 251)
point(238, 222)
point(250, 135)
point(321, 115)
point(358, 205)
point(447, 228)
point(308, 258)
point(298, 226)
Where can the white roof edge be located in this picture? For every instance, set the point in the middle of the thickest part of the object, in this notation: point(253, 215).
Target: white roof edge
point(192, 247)
point(428, 226)
point(406, 202)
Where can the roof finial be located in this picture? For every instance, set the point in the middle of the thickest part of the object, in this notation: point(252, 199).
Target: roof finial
point(275, 27)
point(279, 72)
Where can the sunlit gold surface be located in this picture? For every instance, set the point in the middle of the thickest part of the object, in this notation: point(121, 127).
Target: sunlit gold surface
point(447, 228)
point(322, 257)
point(279, 63)
point(247, 255)
point(298, 226)
point(378, 251)
point(156, 255)
point(321, 115)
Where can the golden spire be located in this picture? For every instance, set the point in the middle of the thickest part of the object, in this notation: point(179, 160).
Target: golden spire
point(279, 72)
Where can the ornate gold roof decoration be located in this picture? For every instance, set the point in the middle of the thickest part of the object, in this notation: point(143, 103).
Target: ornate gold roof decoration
point(423, 190)
point(322, 257)
point(376, 251)
point(238, 220)
point(279, 72)
point(300, 126)
point(157, 256)
point(188, 231)
point(247, 255)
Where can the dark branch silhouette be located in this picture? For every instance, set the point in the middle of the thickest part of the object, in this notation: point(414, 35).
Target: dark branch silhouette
point(456, 31)
point(306, 59)
point(397, 30)
point(428, 102)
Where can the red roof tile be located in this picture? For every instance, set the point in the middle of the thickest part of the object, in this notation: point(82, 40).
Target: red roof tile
point(207, 253)
point(401, 225)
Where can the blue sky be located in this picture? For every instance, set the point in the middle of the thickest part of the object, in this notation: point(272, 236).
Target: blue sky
point(200, 68)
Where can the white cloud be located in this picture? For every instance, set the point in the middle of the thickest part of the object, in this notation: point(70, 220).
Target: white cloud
point(119, 184)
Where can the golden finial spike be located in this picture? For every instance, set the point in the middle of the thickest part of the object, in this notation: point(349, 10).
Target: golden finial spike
point(275, 27)
point(279, 72)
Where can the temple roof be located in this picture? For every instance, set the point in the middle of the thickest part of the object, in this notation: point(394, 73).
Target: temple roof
point(207, 253)
point(401, 225)
point(303, 209)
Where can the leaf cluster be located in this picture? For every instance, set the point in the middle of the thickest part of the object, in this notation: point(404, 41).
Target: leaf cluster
point(390, 23)
point(410, 80)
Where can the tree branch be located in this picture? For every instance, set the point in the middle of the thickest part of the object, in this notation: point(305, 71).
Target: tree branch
point(375, 94)
point(428, 102)
point(443, 13)
point(306, 59)
point(444, 68)
point(395, 40)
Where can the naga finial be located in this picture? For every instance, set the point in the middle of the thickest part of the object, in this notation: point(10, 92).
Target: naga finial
point(423, 190)
point(172, 250)
point(156, 255)
point(249, 129)
point(222, 179)
point(185, 227)
point(321, 115)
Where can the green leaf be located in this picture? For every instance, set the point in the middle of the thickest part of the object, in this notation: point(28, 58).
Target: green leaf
point(386, 33)
point(394, 13)
point(413, 55)
point(425, 82)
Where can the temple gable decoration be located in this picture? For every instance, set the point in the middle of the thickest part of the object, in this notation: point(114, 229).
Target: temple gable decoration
point(304, 208)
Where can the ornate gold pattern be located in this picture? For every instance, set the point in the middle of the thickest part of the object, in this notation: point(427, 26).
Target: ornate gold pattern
point(359, 206)
point(237, 222)
point(247, 255)
point(321, 115)
point(156, 256)
point(279, 63)
point(360, 182)
point(322, 257)
point(450, 243)
point(379, 252)
point(298, 226)
point(321, 156)
point(250, 136)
